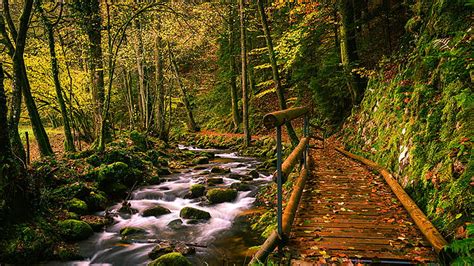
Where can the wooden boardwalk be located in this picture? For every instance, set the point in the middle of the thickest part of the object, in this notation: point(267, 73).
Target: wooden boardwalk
point(346, 211)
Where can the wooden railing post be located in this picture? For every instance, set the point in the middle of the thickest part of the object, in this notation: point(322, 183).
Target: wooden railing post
point(279, 184)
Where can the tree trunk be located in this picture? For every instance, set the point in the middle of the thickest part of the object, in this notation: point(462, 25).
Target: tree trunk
point(191, 123)
point(161, 104)
point(276, 76)
point(142, 95)
point(233, 79)
point(21, 80)
point(69, 140)
point(243, 55)
point(349, 56)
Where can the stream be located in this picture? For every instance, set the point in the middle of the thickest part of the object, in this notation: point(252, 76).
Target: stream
point(222, 240)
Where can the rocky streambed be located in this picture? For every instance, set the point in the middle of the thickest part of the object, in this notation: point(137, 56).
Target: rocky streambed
point(194, 212)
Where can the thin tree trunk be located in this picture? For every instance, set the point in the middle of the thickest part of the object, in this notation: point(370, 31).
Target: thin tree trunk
point(276, 76)
point(243, 55)
point(21, 81)
point(69, 140)
point(161, 105)
point(191, 123)
point(233, 79)
point(349, 56)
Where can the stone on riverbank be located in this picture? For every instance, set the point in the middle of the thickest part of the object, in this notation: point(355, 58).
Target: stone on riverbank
point(212, 181)
point(197, 190)
point(171, 259)
point(200, 160)
point(75, 230)
point(220, 170)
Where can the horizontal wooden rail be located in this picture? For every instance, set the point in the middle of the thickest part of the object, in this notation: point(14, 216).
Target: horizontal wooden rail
point(279, 118)
point(292, 159)
point(288, 217)
point(427, 228)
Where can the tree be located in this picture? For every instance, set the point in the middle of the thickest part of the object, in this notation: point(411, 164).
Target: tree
point(243, 55)
point(90, 20)
point(20, 76)
point(348, 46)
point(275, 74)
point(232, 69)
point(49, 27)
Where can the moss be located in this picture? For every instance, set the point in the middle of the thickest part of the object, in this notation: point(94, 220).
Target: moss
point(201, 160)
point(193, 213)
point(241, 186)
point(220, 170)
point(197, 190)
point(76, 205)
point(171, 259)
point(128, 231)
point(74, 230)
point(156, 211)
point(219, 195)
point(96, 200)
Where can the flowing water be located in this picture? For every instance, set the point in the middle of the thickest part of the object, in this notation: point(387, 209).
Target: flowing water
point(223, 240)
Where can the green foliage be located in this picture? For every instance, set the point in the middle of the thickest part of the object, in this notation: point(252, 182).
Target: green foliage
point(139, 140)
point(76, 205)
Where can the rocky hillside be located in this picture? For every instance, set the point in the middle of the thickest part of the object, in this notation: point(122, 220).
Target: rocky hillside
point(416, 118)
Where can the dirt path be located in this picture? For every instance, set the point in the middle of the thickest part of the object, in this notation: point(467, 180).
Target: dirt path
point(348, 212)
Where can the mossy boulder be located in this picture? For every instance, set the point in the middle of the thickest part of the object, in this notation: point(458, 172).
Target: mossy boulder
point(219, 195)
point(176, 224)
point(197, 190)
point(220, 170)
point(76, 205)
point(254, 174)
point(164, 171)
point(156, 211)
point(119, 172)
point(161, 249)
point(129, 231)
point(96, 200)
point(96, 222)
point(212, 181)
point(201, 160)
point(74, 230)
point(193, 213)
point(241, 186)
point(236, 176)
point(171, 259)
point(152, 179)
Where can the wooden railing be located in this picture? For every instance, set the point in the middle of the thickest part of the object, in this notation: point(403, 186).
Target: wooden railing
point(299, 153)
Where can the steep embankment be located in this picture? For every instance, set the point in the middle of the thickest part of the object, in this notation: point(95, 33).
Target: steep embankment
point(416, 118)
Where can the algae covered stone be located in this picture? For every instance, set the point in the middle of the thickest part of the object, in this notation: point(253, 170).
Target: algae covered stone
point(193, 213)
point(76, 205)
point(197, 190)
point(75, 230)
point(129, 230)
point(156, 211)
point(201, 160)
point(171, 259)
point(219, 195)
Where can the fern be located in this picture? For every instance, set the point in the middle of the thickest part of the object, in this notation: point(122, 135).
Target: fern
point(463, 249)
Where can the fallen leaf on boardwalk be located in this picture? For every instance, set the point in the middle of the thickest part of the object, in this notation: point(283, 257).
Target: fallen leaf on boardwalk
point(318, 239)
point(314, 248)
point(341, 203)
point(307, 231)
point(307, 222)
point(343, 209)
point(351, 247)
point(358, 256)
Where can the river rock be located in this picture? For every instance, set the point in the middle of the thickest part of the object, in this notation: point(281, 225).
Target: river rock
point(155, 211)
point(160, 250)
point(193, 213)
point(212, 181)
point(241, 186)
point(184, 249)
point(254, 174)
point(200, 167)
point(201, 160)
point(164, 171)
point(75, 230)
point(176, 224)
point(96, 222)
point(236, 176)
point(220, 170)
point(174, 258)
point(219, 195)
point(129, 230)
point(197, 190)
